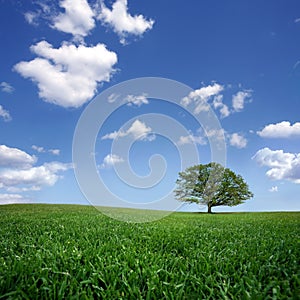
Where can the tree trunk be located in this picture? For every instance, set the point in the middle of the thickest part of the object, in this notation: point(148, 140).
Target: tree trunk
point(209, 209)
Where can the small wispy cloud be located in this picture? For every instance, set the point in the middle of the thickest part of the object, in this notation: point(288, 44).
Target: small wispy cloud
point(273, 189)
point(6, 87)
point(4, 114)
point(137, 100)
point(40, 149)
point(110, 160)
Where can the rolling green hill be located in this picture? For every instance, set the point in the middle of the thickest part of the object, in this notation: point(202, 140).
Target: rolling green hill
point(74, 252)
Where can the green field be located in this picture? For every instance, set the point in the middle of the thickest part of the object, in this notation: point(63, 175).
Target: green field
point(74, 252)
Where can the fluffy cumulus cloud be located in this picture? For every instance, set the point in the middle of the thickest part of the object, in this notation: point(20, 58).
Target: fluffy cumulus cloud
point(68, 76)
point(4, 114)
point(15, 158)
point(138, 131)
point(237, 140)
point(18, 173)
point(282, 165)
point(223, 108)
point(6, 87)
point(111, 160)
point(280, 130)
point(36, 177)
point(201, 96)
point(77, 18)
point(121, 21)
point(239, 100)
point(212, 95)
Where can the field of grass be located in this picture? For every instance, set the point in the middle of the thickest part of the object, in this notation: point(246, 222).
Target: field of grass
point(74, 252)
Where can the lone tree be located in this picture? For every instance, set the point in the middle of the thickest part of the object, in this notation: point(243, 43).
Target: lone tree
point(212, 185)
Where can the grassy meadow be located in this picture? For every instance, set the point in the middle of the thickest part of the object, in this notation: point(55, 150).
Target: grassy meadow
point(75, 252)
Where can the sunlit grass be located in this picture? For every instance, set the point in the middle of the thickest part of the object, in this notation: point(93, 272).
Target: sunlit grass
point(68, 251)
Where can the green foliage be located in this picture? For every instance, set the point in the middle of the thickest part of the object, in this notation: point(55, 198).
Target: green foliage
point(212, 185)
point(73, 252)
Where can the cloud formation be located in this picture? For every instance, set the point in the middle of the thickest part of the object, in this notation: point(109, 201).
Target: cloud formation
point(122, 22)
point(6, 87)
point(77, 19)
point(273, 189)
point(237, 140)
point(68, 76)
point(35, 177)
point(211, 94)
point(18, 173)
point(15, 158)
point(282, 165)
point(40, 149)
point(201, 96)
point(138, 131)
point(239, 100)
point(111, 160)
point(4, 114)
point(13, 198)
point(223, 108)
point(192, 139)
point(136, 100)
point(280, 130)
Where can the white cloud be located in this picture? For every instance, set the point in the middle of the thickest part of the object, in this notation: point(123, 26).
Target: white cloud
point(239, 99)
point(218, 134)
point(138, 130)
point(280, 130)
point(4, 114)
point(32, 18)
point(6, 87)
point(282, 165)
point(110, 160)
point(35, 177)
point(273, 189)
point(15, 158)
point(137, 100)
point(237, 140)
point(78, 18)
point(17, 173)
point(113, 97)
point(38, 149)
point(43, 150)
point(201, 96)
point(297, 20)
point(45, 9)
point(54, 151)
point(218, 104)
point(12, 199)
point(191, 139)
point(68, 76)
point(121, 21)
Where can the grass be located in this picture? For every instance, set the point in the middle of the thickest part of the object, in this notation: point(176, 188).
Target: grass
point(74, 252)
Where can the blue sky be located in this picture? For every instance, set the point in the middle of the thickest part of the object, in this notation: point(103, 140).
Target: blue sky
point(240, 57)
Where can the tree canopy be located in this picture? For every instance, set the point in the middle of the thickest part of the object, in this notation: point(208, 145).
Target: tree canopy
point(213, 185)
